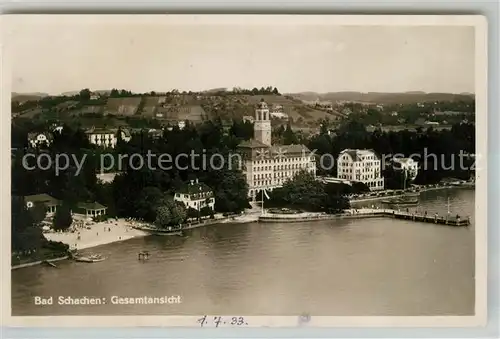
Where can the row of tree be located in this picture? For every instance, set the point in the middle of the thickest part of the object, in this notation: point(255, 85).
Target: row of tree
point(307, 193)
point(26, 228)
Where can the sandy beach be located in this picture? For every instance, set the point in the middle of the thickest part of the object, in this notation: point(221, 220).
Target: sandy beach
point(97, 234)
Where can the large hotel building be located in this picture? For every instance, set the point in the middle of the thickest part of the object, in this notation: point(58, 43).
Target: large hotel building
point(268, 166)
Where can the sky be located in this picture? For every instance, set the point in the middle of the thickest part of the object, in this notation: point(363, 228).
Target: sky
point(54, 56)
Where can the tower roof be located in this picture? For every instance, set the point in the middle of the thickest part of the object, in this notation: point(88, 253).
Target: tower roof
point(262, 104)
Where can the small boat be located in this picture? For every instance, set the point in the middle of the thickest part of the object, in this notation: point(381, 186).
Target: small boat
point(406, 199)
point(409, 197)
point(411, 194)
point(46, 262)
point(144, 255)
point(90, 258)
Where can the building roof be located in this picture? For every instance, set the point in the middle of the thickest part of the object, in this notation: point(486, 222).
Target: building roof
point(252, 143)
point(289, 149)
point(42, 198)
point(357, 154)
point(194, 188)
point(262, 104)
point(99, 130)
point(90, 206)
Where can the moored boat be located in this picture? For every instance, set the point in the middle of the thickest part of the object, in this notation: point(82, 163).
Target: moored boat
point(412, 198)
point(90, 258)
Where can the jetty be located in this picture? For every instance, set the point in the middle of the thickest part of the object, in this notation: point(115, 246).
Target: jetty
point(432, 219)
point(368, 213)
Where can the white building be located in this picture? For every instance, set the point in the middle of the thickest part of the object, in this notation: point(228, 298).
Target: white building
point(39, 139)
point(268, 166)
point(89, 210)
point(196, 195)
point(106, 137)
point(279, 115)
point(408, 165)
point(362, 166)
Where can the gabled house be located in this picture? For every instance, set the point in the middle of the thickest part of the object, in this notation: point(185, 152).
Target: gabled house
point(196, 195)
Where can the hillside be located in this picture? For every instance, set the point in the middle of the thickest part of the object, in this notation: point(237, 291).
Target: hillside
point(381, 98)
point(123, 106)
point(235, 106)
point(20, 97)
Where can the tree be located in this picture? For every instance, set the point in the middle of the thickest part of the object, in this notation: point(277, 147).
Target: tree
point(147, 203)
point(163, 217)
point(289, 137)
point(305, 192)
point(62, 218)
point(170, 213)
point(38, 213)
point(206, 211)
point(230, 190)
point(24, 234)
point(85, 94)
point(178, 214)
point(192, 213)
point(114, 93)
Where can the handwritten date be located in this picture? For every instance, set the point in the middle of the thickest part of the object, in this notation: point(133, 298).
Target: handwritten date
point(208, 321)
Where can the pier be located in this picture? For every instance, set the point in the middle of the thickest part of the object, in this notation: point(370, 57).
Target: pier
point(433, 219)
point(448, 219)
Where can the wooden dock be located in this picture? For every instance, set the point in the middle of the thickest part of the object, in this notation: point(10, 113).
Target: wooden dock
point(432, 219)
point(448, 220)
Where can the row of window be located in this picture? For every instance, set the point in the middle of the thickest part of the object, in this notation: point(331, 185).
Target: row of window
point(379, 183)
point(363, 164)
point(275, 182)
point(280, 167)
point(275, 175)
point(283, 158)
point(367, 177)
point(368, 181)
point(195, 196)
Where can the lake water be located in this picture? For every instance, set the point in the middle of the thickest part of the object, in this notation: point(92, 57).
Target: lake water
point(345, 267)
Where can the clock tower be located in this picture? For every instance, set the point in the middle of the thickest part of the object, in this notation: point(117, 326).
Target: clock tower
point(262, 124)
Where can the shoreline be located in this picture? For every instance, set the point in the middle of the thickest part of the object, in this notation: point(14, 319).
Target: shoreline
point(241, 219)
point(38, 262)
point(122, 230)
point(375, 198)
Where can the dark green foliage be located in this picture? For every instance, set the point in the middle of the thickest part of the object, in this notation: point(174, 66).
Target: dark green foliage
point(62, 218)
point(306, 193)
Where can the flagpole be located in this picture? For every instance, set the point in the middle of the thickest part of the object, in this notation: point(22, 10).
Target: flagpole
point(263, 201)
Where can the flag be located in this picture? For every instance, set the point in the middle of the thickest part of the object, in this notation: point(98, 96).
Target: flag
point(265, 193)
